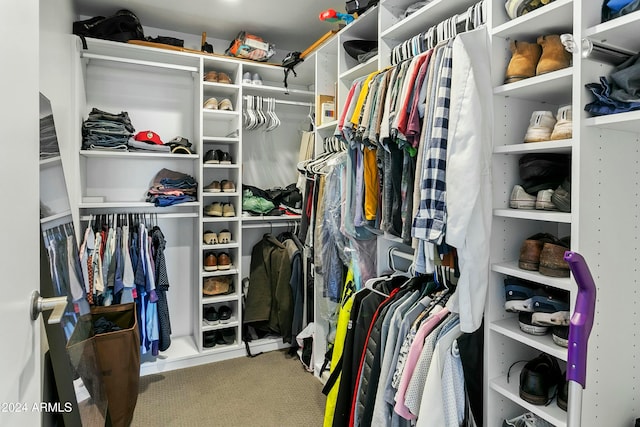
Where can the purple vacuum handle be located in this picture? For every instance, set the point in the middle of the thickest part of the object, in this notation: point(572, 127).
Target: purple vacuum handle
point(582, 318)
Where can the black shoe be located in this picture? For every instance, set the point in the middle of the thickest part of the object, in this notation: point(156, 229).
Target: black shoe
point(209, 339)
point(224, 312)
point(563, 393)
point(560, 335)
point(539, 379)
point(527, 325)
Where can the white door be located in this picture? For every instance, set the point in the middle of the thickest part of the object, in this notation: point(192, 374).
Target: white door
point(20, 356)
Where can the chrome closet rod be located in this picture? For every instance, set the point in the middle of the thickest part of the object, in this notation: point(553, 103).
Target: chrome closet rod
point(158, 215)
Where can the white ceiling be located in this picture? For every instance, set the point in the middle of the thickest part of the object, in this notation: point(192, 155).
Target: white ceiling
point(289, 24)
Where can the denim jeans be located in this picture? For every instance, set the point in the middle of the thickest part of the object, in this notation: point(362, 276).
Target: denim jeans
point(123, 117)
point(604, 104)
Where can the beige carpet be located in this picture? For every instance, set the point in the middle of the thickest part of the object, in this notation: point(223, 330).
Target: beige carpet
point(269, 390)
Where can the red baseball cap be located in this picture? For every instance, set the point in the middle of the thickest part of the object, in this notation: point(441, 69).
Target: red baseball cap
point(148, 136)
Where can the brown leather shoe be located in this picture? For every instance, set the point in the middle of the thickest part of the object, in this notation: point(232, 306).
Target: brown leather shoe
point(524, 59)
point(530, 250)
point(217, 286)
point(210, 262)
point(554, 56)
point(552, 261)
point(224, 261)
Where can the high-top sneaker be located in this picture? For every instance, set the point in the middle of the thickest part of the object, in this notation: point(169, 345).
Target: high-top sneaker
point(564, 123)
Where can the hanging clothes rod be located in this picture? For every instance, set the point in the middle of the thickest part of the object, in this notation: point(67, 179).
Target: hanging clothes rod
point(302, 104)
point(155, 215)
point(264, 224)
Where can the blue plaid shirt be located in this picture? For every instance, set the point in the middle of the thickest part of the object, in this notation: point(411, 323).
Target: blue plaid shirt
point(430, 221)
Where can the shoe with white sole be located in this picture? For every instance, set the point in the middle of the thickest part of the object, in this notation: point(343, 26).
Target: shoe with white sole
point(520, 199)
point(540, 127)
point(246, 78)
point(519, 294)
point(543, 201)
point(526, 325)
point(564, 124)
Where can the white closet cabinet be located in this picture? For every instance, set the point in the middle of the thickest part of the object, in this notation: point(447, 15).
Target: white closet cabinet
point(164, 91)
point(602, 222)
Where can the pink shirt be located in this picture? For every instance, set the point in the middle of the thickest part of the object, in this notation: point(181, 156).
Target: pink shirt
point(412, 359)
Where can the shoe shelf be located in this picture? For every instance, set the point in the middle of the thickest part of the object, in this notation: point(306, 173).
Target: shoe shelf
point(219, 218)
point(176, 356)
point(229, 245)
point(360, 70)
point(559, 146)
point(219, 299)
point(553, 87)
point(219, 140)
point(224, 166)
point(628, 122)
point(218, 273)
point(232, 323)
point(219, 114)
point(280, 218)
point(534, 214)
point(510, 389)
point(215, 88)
point(219, 348)
point(220, 194)
point(136, 155)
point(510, 328)
point(511, 268)
point(553, 18)
point(431, 14)
point(621, 32)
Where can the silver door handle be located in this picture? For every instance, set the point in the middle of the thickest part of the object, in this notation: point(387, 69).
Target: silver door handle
point(40, 304)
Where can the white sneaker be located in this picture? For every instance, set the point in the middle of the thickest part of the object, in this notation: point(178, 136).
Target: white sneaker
point(246, 78)
point(543, 201)
point(520, 199)
point(564, 124)
point(540, 126)
point(256, 79)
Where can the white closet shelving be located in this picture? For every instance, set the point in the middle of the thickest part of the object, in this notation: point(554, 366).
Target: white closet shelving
point(603, 222)
point(164, 91)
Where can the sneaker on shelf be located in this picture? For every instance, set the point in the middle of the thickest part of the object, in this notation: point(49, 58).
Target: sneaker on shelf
point(214, 209)
point(209, 339)
point(519, 294)
point(227, 186)
point(564, 124)
point(224, 236)
point(246, 78)
point(225, 158)
point(543, 200)
point(551, 309)
point(563, 393)
point(520, 199)
point(528, 419)
point(210, 262)
point(219, 338)
point(560, 335)
point(211, 316)
point(211, 76)
point(228, 210)
point(224, 78)
point(526, 324)
point(539, 379)
point(210, 238)
point(224, 312)
point(212, 156)
point(213, 187)
point(224, 261)
point(562, 196)
point(228, 335)
point(540, 126)
point(256, 79)
point(225, 105)
point(211, 104)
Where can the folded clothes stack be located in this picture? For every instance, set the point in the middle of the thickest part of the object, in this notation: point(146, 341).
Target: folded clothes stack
point(171, 188)
point(106, 131)
point(619, 93)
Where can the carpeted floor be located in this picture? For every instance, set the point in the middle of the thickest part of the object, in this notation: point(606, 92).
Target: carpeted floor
point(267, 391)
